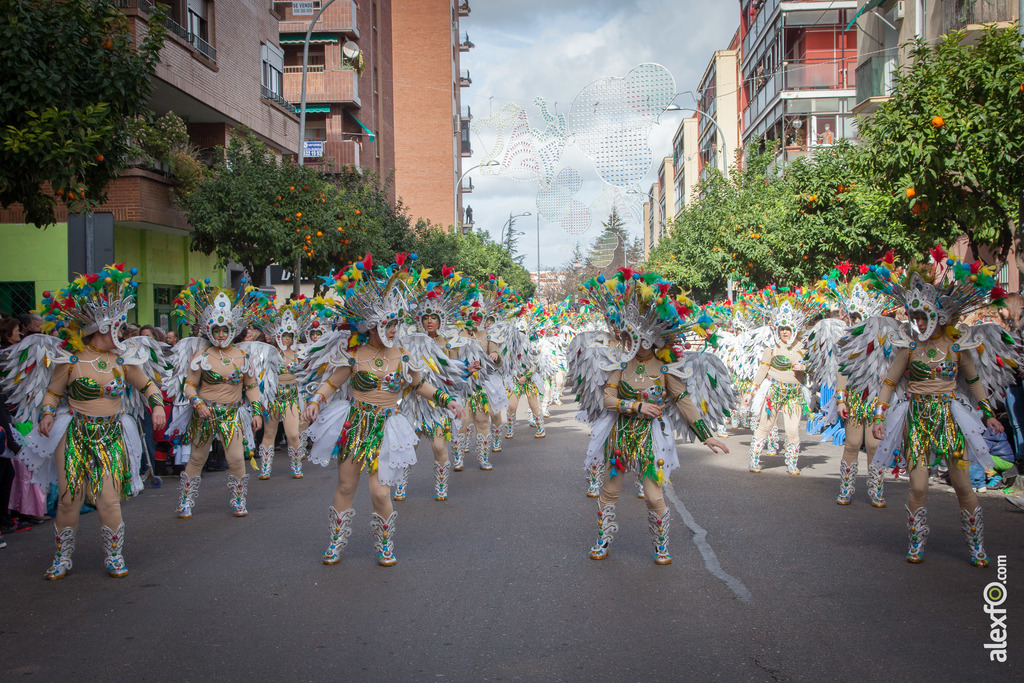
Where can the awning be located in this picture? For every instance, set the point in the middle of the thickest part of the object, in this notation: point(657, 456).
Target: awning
point(869, 5)
point(314, 39)
point(315, 108)
point(368, 131)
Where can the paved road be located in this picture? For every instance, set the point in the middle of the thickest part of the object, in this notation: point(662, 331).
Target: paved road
point(496, 584)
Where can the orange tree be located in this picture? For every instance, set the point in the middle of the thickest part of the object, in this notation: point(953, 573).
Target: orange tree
point(949, 144)
point(73, 78)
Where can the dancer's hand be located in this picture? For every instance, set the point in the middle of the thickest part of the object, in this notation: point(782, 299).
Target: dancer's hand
point(203, 411)
point(650, 410)
point(45, 425)
point(799, 367)
point(257, 422)
point(842, 409)
point(456, 410)
point(475, 366)
point(493, 356)
point(995, 425)
point(878, 431)
point(159, 418)
point(309, 413)
point(717, 445)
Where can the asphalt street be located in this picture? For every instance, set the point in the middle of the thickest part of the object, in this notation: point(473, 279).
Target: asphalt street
point(771, 581)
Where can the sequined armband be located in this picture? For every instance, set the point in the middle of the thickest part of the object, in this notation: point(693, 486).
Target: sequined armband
point(702, 430)
point(56, 396)
point(419, 384)
point(441, 398)
point(972, 381)
point(155, 400)
point(319, 399)
point(48, 410)
point(889, 383)
point(256, 407)
point(626, 407)
point(196, 402)
point(329, 383)
point(986, 408)
point(840, 397)
point(878, 411)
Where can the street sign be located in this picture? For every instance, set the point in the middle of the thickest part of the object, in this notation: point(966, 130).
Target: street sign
point(314, 149)
point(302, 9)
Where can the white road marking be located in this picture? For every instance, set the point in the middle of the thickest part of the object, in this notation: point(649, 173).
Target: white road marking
point(700, 540)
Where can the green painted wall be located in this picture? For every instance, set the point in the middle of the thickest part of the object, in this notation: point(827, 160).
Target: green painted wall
point(41, 256)
point(35, 255)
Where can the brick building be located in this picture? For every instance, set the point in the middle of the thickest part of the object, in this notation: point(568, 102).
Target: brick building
point(212, 73)
point(349, 93)
point(431, 125)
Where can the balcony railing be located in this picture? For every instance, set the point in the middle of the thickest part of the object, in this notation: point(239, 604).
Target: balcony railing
point(322, 86)
point(466, 45)
point(200, 45)
point(958, 14)
point(467, 114)
point(816, 76)
point(876, 76)
point(464, 8)
point(203, 47)
point(269, 94)
point(464, 80)
point(467, 185)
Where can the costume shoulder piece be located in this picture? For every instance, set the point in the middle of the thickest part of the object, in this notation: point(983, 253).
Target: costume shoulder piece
point(151, 357)
point(26, 370)
point(324, 357)
point(997, 358)
point(181, 357)
point(263, 362)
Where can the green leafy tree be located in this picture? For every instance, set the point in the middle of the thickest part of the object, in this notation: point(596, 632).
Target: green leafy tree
point(238, 211)
point(475, 255)
point(949, 144)
point(73, 79)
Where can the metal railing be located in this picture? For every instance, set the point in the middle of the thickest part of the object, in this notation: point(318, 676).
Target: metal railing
point(311, 69)
point(467, 114)
point(958, 14)
point(802, 75)
point(269, 94)
point(464, 79)
point(203, 47)
point(876, 76)
point(200, 45)
point(466, 45)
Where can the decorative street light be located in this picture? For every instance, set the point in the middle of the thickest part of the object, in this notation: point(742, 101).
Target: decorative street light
point(509, 222)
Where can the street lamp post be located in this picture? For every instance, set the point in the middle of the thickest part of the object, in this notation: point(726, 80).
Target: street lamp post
point(458, 184)
point(296, 284)
point(509, 223)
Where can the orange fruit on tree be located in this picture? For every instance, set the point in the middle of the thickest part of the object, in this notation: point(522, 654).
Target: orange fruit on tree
point(108, 44)
point(911, 192)
point(358, 212)
point(938, 121)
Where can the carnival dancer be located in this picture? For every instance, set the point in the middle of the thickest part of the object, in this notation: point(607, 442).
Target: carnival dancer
point(214, 375)
point(526, 382)
point(433, 304)
point(782, 374)
point(488, 396)
point(290, 322)
point(367, 432)
point(932, 420)
point(638, 397)
point(867, 338)
point(86, 386)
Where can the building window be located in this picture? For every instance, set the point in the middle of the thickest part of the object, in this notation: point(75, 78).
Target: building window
point(17, 297)
point(273, 67)
point(199, 16)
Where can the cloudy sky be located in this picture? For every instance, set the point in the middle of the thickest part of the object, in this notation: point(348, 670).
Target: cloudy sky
point(553, 49)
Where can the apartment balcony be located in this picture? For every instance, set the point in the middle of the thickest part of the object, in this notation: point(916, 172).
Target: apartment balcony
point(268, 94)
point(466, 114)
point(973, 15)
point(467, 185)
point(875, 80)
point(336, 155)
point(464, 9)
point(801, 75)
point(322, 86)
point(466, 45)
point(182, 34)
point(340, 17)
point(464, 80)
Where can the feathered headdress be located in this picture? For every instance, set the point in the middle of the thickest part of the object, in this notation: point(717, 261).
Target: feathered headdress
point(97, 302)
point(850, 294)
point(786, 307)
point(294, 318)
point(437, 297)
point(205, 307)
point(639, 306)
point(941, 292)
point(366, 299)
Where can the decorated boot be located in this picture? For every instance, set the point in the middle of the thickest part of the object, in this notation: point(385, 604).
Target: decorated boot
point(461, 450)
point(481, 452)
point(441, 473)
point(792, 453)
point(540, 428)
point(875, 486)
point(341, 529)
point(973, 525)
point(188, 491)
point(113, 546)
point(295, 455)
point(510, 427)
point(659, 536)
point(917, 531)
point(401, 486)
point(533, 419)
point(383, 536)
point(756, 445)
point(847, 477)
point(606, 530)
point(495, 438)
point(238, 488)
point(266, 461)
point(772, 447)
point(595, 475)
point(65, 539)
